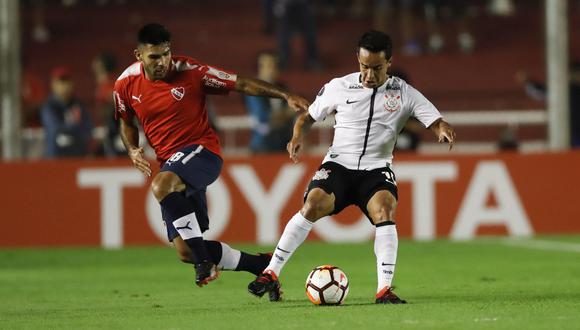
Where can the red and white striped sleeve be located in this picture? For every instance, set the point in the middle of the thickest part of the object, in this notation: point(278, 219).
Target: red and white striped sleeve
point(217, 81)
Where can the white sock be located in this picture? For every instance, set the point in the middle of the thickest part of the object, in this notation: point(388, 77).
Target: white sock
point(386, 242)
point(294, 234)
point(230, 257)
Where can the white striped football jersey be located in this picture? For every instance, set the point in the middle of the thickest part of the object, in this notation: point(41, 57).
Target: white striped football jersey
point(368, 120)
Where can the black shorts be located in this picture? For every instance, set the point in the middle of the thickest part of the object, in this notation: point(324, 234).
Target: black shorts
point(352, 187)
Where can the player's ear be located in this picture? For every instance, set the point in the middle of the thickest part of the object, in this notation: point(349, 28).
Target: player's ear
point(137, 54)
point(389, 61)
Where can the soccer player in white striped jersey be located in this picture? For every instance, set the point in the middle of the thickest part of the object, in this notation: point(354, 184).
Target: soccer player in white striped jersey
point(370, 109)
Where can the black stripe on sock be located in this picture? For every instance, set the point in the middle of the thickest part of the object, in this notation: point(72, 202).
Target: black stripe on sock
point(277, 248)
point(386, 223)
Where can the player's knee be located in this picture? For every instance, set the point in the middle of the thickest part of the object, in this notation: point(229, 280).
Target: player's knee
point(317, 206)
point(382, 214)
point(382, 209)
point(165, 183)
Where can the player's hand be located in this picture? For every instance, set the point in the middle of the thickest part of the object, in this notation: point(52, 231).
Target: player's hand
point(446, 134)
point(297, 103)
point(294, 148)
point(136, 155)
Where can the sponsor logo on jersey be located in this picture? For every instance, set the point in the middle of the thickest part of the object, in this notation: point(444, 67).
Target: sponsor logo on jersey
point(178, 93)
point(220, 74)
point(321, 174)
point(333, 155)
point(351, 102)
point(356, 86)
point(223, 75)
point(392, 101)
point(138, 98)
point(213, 83)
point(321, 91)
point(394, 84)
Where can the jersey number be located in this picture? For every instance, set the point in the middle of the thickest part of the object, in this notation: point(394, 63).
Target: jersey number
point(175, 157)
point(390, 177)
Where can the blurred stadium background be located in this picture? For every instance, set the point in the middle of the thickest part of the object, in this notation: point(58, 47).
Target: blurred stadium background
point(497, 69)
point(499, 73)
point(477, 90)
point(513, 172)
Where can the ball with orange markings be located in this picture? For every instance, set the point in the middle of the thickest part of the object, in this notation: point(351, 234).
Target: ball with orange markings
point(327, 285)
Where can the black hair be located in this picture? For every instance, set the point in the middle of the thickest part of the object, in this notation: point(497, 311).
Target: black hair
point(154, 34)
point(375, 42)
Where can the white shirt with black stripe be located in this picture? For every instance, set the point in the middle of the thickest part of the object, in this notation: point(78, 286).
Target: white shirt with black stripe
point(368, 120)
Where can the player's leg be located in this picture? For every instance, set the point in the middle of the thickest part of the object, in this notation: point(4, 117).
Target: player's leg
point(320, 201)
point(179, 214)
point(225, 257)
point(192, 168)
point(318, 204)
point(380, 208)
point(221, 253)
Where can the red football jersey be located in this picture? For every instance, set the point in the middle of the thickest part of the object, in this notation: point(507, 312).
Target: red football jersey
point(172, 111)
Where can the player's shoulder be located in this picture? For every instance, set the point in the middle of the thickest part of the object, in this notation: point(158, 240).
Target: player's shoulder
point(349, 81)
point(131, 73)
point(396, 83)
point(185, 63)
point(133, 70)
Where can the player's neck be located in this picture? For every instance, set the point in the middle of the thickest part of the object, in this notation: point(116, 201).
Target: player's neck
point(167, 76)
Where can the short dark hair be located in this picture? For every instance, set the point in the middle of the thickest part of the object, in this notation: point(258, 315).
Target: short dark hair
point(375, 42)
point(154, 34)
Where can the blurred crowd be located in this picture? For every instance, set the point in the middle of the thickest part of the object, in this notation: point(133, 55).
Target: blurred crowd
point(75, 128)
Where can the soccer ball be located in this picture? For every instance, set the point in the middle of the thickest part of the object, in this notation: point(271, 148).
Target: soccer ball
point(326, 285)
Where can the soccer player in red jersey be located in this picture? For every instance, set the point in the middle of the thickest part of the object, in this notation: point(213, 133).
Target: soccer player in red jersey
point(167, 95)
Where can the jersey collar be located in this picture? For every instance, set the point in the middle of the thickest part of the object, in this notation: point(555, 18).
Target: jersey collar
point(389, 77)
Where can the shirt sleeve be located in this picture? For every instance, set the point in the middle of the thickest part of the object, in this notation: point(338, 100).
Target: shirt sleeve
point(421, 108)
point(121, 103)
point(323, 105)
point(217, 81)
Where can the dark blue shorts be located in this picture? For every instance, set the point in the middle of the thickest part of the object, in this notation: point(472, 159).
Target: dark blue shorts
point(198, 168)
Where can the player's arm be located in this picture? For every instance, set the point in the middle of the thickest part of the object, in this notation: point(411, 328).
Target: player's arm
point(301, 128)
point(429, 116)
point(130, 135)
point(252, 86)
point(443, 131)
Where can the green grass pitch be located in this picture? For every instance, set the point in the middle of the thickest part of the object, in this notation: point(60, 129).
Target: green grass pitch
point(449, 285)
